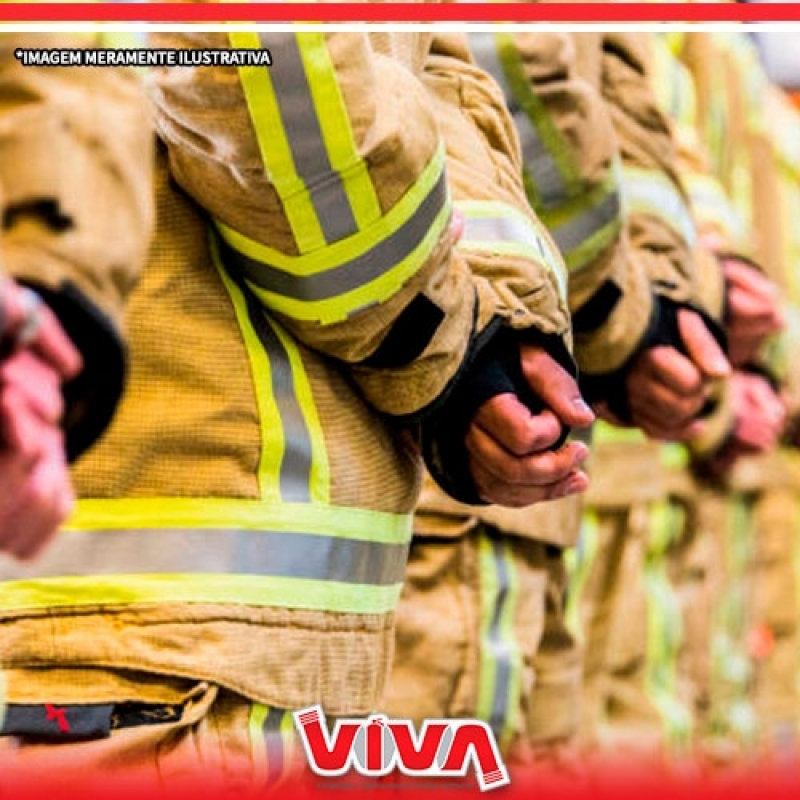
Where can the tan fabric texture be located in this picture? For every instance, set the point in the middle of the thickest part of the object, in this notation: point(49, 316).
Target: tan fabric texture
point(443, 643)
point(616, 710)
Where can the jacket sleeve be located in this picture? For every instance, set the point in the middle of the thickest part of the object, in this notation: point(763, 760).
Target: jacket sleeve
point(326, 177)
point(573, 181)
point(658, 216)
point(511, 256)
point(75, 169)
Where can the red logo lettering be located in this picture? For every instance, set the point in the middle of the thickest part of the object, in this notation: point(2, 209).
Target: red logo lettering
point(376, 746)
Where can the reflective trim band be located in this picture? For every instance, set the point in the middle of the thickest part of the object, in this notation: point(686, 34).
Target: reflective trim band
point(337, 132)
point(501, 659)
point(652, 193)
point(188, 535)
point(276, 148)
point(710, 204)
point(551, 173)
point(329, 285)
point(236, 590)
point(301, 121)
point(294, 461)
point(295, 470)
point(500, 229)
point(582, 237)
point(217, 513)
point(313, 161)
point(168, 551)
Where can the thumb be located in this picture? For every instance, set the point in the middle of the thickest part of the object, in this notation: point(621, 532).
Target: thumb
point(701, 346)
point(556, 388)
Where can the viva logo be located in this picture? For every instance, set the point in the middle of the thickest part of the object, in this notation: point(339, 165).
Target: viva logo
point(378, 745)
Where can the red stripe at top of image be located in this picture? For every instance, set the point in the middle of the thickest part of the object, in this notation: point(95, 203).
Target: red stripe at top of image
point(400, 12)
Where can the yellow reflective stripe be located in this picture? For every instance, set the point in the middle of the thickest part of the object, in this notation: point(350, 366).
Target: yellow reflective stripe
point(494, 227)
point(273, 442)
point(500, 656)
point(275, 149)
point(653, 193)
point(369, 267)
point(258, 750)
point(320, 473)
point(217, 513)
point(579, 561)
point(252, 590)
point(337, 131)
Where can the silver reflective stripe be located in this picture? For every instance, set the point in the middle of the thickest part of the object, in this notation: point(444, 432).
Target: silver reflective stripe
point(304, 135)
point(575, 231)
point(295, 472)
point(171, 551)
point(512, 230)
point(353, 274)
point(499, 650)
point(502, 229)
point(653, 194)
point(539, 163)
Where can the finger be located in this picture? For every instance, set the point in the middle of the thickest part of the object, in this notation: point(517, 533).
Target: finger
point(654, 401)
point(745, 309)
point(55, 347)
point(741, 275)
point(46, 501)
point(555, 387)
point(499, 493)
point(668, 367)
point(509, 422)
point(20, 429)
point(531, 470)
point(701, 346)
point(37, 382)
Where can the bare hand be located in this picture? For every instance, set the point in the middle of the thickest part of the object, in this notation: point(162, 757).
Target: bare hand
point(667, 389)
point(509, 448)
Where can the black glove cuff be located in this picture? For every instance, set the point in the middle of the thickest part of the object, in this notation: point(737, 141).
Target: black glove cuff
point(92, 397)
